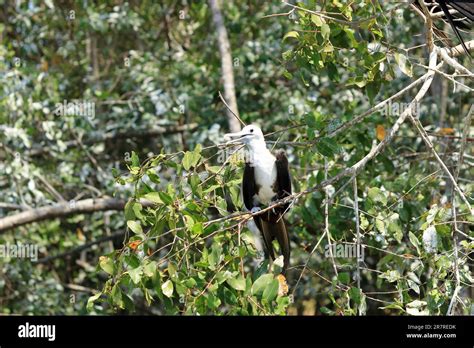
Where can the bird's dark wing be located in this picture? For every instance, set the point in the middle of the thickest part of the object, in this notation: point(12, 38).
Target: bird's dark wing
point(462, 18)
point(276, 221)
point(283, 177)
point(465, 9)
point(249, 187)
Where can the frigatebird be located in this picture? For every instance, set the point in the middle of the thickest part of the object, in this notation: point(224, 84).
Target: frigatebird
point(266, 179)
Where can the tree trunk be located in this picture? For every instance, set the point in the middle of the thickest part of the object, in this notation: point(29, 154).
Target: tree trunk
point(226, 64)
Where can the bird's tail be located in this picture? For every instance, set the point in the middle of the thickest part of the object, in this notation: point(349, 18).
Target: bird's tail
point(465, 9)
point(277, 229)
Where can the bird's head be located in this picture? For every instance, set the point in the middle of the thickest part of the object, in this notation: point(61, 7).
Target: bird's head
point(249, 135)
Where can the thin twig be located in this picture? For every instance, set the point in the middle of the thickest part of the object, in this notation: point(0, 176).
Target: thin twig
point(356, 213)
point(231, 111)
point(467, 125)
point(326, 218)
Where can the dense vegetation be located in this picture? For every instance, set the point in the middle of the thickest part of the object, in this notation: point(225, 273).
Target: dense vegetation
point(179, 242)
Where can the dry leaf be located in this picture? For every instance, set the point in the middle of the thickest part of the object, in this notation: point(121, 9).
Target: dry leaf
point(282, 285)
point(134, 245)
point(446, 131)
point(80, 235)
point(380, 131)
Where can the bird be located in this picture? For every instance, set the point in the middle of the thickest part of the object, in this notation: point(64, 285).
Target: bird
point(459, 14)
point(266, 179)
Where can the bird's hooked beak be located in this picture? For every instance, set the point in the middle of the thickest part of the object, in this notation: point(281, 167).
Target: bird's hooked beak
point(241, 137)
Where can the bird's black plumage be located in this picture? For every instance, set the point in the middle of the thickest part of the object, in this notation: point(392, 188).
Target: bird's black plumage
point(271, 223)
point(461, 19)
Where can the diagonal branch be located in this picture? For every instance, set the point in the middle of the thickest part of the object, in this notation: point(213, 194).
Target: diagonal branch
point(429, 144)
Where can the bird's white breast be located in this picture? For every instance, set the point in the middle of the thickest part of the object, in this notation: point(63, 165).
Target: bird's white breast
point(265, 176)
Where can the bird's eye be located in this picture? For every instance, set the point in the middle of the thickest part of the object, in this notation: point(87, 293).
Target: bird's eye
point(251, 131)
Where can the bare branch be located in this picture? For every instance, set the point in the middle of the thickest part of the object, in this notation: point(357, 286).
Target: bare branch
point(326, 218)
point(85, 206)
point(356, 213)
point(229, 109)
point(428, 143)
point(453, 62)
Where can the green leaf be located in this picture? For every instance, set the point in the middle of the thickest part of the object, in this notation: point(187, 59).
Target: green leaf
point(380, 224)
point(190, 283)
point(154, 197)
point(344, 277)
point(372, 89)
point(237, 283)
point(115, 172)
point(261, 283)
point(137, 210)
point(394, 227)
point(150, 268)
point(134, 226)
point(271, 291)
point(325, 31)
point(116, 295)
point(135, 160)
point(417, 308)
point(291, 34)
point(327, 147)
point(404, 64)
point(414, 240)
point(129, 214)
point(391, 276)
point(287, 55)
point(317, 20)
point(355, 295)
point(107, 264)
point(167, 288)
point(191, 159)
point(377, 195)
point(215, 256)
point(213, 302)
point(136, 274)
point(91, 300)
point(166, 198)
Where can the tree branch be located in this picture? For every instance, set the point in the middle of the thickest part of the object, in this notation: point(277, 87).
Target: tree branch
point(60, 210)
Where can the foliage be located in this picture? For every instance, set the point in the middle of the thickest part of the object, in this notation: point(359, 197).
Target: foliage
point(187, 248)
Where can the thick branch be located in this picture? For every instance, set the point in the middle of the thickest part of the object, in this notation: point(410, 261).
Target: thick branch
point(454, 63)
point(458, 50)
point(60, 210)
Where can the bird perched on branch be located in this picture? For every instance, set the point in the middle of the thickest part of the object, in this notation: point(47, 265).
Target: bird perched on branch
point(266, 179)
point(459, 14)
